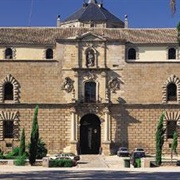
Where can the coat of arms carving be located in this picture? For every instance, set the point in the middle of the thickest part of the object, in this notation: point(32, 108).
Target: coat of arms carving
point(68, 85)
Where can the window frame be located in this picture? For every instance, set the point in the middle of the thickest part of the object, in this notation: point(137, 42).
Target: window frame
point(8, 132)
point(6, 92)
point(8, 55)
point(170, 54)
point(171, 129)
point(171, 98)
point(47, 56)
point(90, 99)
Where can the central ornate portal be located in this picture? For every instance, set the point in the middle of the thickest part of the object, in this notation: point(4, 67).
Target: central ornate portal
point(90, 134)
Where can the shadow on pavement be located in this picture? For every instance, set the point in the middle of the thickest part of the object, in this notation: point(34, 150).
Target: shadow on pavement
point(90, 174)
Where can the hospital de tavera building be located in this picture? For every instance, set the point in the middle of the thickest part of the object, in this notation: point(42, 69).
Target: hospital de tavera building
point(99, 84)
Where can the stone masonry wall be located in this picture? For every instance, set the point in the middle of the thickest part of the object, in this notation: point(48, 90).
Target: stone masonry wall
point(54, 125)
point(135, 126)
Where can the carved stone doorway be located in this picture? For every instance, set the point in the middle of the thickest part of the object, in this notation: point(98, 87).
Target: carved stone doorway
point(90, 134)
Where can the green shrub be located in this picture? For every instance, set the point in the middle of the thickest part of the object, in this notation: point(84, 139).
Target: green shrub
point(41, 149)
point(2, 155)
point(13, 154)
point(61, 163)
point(20, 160)
point(68, 163)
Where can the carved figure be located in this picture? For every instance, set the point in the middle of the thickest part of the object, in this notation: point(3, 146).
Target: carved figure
point(90, 59)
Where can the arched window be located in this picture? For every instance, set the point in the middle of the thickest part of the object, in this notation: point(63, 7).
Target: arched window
point(8, 53)
point(49, 54)
point(172, 92)
point(172, 53)
point(8, 91)
point(131, 53)
point(90, 92)
point(171, 128)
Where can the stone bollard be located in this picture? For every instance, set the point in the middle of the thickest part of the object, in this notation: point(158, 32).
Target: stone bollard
point(145, 162)
point(45, 162)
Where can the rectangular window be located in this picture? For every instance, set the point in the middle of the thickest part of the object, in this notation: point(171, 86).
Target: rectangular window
point(8, 129)
point(171, 128)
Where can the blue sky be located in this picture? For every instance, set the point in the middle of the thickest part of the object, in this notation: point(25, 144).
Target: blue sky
point(141, 13)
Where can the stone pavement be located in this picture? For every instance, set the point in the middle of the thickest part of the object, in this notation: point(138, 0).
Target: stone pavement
point(90, 162)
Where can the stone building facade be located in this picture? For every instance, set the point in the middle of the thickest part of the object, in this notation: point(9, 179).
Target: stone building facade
point(98, 85)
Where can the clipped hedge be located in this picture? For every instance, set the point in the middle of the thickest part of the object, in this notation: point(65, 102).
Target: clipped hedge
point(61, 163)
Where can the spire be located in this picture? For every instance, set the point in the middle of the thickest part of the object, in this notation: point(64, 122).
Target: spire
point(92, 1)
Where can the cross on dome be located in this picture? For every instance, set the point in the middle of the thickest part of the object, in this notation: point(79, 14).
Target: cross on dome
point(92, 1)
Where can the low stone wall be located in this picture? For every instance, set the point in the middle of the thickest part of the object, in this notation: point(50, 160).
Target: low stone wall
point(169, 163)
point(11, 162)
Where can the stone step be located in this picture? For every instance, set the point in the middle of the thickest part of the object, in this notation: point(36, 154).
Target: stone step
point(91, 161)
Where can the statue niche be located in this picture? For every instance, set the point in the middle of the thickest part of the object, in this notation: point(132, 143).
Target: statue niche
point(90, 58)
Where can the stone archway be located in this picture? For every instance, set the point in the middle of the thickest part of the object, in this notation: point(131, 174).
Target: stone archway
point(90, 134)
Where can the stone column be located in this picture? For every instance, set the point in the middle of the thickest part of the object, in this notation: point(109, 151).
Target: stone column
point(107, 141)
point(73, 125)
point(73, 146)
point(106, 126)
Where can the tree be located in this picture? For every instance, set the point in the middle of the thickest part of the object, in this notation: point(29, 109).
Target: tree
point(174, 144)
point(22, 147)
point(34, 138)
point(41, 149)
point(159, 140)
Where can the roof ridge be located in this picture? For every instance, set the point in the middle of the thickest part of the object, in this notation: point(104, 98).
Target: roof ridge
point(101, 12)
point(83, 12)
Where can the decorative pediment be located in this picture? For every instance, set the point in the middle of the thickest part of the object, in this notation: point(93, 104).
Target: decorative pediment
point(89, 36)
point(90, 75)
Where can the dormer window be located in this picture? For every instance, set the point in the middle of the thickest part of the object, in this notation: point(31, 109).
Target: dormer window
point(172, 53)
point(131, 53)
point(8, 53)
point(49, 53)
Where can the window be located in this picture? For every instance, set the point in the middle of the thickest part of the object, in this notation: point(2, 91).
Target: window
point(171, 128)
point(8, 129)
point(8, 53)
point(131, 53)
point(172, 92)
point(90, 92)
point(49, 54)
point(172, 53)
point(92, 25)
point(8, 91)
